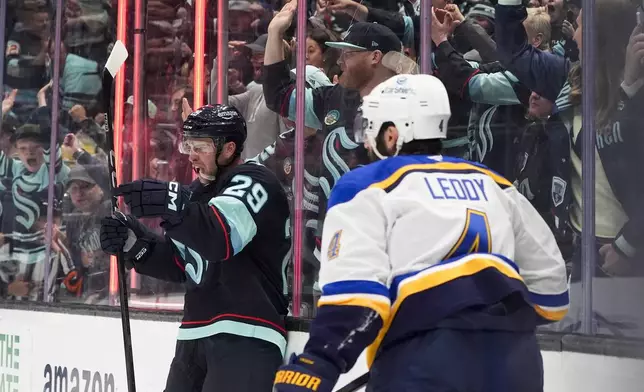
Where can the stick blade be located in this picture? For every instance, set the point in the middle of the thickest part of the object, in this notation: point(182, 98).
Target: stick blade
point(117, 58)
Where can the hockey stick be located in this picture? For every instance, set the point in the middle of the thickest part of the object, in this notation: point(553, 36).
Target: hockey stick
point(355, 384)
point(114, 63)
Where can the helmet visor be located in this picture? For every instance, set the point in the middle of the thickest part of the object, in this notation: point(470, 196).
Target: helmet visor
point(188, 146)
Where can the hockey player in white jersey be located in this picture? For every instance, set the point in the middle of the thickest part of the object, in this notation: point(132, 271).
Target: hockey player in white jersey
point(438, 266)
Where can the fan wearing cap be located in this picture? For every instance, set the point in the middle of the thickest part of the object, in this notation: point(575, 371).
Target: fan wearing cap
point(279, 158)
point(263, 124)
point(25, 179)
point(257, 49)
point(86, 195)
point(240, 20)
point(82, 225)
point(29, 172)
point(370, 55)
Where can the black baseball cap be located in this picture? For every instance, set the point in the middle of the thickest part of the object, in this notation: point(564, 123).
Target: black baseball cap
point(259, 46)
point(369, 36)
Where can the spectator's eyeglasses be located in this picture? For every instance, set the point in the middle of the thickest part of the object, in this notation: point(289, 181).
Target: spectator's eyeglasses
point(196, 146)
point(80, 187)
point(343, 55)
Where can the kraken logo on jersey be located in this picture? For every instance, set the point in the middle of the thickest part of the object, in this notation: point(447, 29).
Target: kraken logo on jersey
point(483, 136)
point(195, 264)
point(333, 162)
point(27, 210)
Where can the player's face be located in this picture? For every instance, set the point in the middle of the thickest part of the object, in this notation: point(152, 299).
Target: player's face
point(201, 153)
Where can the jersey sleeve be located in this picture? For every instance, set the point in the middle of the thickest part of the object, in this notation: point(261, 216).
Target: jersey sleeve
point(354, 273)
point(539, 260)
point(162, 261)
point(221, 228)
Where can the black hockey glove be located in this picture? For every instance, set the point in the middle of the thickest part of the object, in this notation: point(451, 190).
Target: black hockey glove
point(125, 233)
point(304, 373)
point(152, 198)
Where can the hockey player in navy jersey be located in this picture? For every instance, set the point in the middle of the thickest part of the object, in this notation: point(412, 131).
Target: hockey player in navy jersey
point(438, 266)
point(226, 237)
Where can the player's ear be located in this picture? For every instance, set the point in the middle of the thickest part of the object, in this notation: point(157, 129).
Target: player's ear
point(391, 136)
point(387, 138)
point(229, 149)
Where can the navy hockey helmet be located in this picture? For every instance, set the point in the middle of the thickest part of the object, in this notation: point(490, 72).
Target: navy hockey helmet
point(222, 123)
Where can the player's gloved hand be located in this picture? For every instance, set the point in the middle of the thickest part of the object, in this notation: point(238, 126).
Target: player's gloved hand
point(124, 233)
point(152, 198)
point(306, 372)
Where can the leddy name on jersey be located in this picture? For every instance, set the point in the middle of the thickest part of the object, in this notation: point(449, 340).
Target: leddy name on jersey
point(441, 188)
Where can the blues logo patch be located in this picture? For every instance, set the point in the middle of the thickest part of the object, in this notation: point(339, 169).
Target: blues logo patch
point(334, 246)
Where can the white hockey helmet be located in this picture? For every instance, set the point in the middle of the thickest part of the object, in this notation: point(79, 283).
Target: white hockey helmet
point(417, 105)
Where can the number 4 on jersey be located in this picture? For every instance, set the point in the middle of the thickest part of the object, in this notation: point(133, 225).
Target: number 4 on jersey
point(475, 237)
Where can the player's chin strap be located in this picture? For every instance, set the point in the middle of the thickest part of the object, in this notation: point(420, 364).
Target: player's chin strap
point(206, 177)
point(374, 147)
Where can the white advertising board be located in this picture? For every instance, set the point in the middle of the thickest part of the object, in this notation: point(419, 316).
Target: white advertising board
point(55, 352)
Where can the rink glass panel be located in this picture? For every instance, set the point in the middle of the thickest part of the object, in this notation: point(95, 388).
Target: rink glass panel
point(617, 282)
point(174, 52)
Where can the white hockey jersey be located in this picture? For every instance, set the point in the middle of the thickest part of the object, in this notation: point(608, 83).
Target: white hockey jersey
point(412, 240)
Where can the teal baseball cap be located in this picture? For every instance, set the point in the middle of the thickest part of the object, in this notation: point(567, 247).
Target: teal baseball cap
point(315, 78)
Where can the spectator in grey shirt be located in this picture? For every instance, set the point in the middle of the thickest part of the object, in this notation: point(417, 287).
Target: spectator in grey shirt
point(263, 124)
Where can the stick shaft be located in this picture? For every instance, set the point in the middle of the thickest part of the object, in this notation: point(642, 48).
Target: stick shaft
point(123, 293)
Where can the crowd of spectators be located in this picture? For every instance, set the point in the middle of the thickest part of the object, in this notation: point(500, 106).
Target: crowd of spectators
point(513, 74)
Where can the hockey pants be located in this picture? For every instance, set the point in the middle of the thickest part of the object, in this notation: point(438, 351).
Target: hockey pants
point(452, 360)
point(223, 363)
